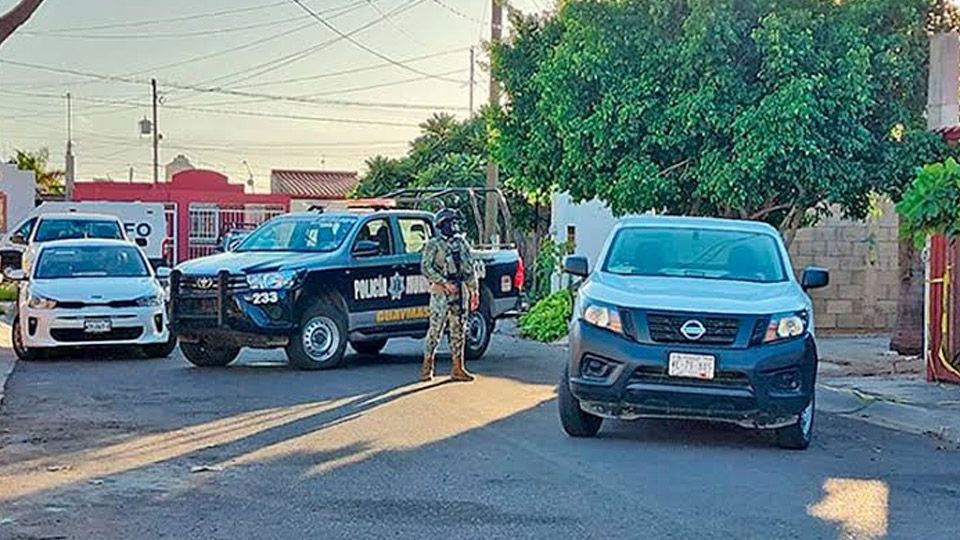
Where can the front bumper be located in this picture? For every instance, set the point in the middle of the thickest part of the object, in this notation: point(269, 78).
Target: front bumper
point(231, 310)
point(48, 328)
point(765, 386)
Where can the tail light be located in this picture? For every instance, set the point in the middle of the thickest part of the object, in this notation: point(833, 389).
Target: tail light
point(519, 276)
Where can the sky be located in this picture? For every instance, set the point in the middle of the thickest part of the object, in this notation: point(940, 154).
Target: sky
point(405, 59)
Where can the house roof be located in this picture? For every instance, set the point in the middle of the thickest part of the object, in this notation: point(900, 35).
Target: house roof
point(950, 133)
point(313, 184)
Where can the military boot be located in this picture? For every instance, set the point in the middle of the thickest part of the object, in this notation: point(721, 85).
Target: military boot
point(426, 369)
point(459, 372)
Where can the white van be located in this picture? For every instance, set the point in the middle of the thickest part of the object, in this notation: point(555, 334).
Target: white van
point(143, 223)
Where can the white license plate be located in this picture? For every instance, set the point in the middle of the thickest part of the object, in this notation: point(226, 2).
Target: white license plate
point(695, 366)
point(97, 326)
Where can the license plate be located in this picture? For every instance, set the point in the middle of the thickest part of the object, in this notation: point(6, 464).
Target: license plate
point(694, 366)
point(97, 326)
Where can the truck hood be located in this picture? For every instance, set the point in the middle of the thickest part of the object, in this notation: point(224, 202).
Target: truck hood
point(252, 262)
point(95, 290)
point(695, 294)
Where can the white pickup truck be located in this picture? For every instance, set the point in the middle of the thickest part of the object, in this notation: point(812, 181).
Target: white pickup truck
point(142, 223)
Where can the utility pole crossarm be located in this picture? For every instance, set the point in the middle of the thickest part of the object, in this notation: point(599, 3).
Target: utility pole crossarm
point(17, 17)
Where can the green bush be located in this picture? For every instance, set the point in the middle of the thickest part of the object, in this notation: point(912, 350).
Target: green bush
point(547, 320)
point(8, 293)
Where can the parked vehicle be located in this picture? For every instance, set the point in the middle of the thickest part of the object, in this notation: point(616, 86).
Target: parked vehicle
point(143, 223)
point(82, 293)
point(312, 282)
point(692, 318)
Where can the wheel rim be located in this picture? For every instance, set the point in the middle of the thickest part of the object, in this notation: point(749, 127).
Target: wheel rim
point(320, 338)
point(806, 420)
point(476, 330)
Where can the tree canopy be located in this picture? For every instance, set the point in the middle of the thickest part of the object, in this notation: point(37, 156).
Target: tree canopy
point(757, 109)
point(49, 181)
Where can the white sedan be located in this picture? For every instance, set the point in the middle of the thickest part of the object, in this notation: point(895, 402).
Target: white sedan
point(83, 293)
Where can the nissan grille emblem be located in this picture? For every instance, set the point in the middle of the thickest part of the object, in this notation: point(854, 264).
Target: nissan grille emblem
point(205, 283)
point(693, 330)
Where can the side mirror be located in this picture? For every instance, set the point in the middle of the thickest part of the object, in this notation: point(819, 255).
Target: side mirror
point(576, 265)
point(163, 272)
point(142, 242)
point(814, 278)
point(14, 274)
point(18, 238)
point(366, 248)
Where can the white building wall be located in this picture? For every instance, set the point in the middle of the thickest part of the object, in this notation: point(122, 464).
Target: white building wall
point(591, 220)
point(20, 188)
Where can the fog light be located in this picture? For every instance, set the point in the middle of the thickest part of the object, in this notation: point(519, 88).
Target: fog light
point(786, 380)
point(598, 368)
point(32, 325)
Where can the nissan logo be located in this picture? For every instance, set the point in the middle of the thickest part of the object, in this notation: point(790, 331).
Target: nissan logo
point(205, 283)
point(693, 330)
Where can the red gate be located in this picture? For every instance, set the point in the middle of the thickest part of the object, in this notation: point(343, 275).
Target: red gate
point(942, 354)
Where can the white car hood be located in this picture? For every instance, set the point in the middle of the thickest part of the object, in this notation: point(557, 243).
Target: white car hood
point(94, 290)
point(697, 295)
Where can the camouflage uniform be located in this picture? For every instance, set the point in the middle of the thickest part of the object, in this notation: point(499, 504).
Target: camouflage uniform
point(440, 267)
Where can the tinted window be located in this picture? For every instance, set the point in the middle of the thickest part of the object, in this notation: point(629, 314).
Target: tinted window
point(26, 228)
point(71, 229)
point(91, 261)
point(320, 233)
point(415, 233)
point(696, 253)
point(378, 231)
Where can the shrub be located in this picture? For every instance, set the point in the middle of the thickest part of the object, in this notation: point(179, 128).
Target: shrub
point(8, 293)
point(547, 320)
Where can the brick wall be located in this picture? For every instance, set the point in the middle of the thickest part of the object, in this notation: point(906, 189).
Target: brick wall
point(862, 259)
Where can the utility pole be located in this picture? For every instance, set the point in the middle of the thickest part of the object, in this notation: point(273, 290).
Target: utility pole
point(493, 171)
point(70, 165)
point(472, 83)
point(156, 135)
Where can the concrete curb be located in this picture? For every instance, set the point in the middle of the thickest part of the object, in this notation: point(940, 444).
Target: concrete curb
point(940, 423)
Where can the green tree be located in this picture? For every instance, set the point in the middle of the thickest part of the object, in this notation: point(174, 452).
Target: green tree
point(49, 181)
point(753, 109)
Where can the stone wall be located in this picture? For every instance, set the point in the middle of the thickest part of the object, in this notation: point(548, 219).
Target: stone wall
point(862, 259)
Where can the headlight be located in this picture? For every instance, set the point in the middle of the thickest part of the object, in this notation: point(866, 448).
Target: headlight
point(604, 316)
point(39, 302)
point(151, 300)
point(786, 325)
point(272, 280)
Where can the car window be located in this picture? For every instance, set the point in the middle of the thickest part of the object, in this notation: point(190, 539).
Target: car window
point(71, 229)
point(90, 261)
point(377, 231)
point(414, 232)
point(26, 228)
point(314, 233)
point(695, 253)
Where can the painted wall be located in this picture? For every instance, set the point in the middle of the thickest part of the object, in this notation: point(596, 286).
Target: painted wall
point(20, 188)
point(591, 222)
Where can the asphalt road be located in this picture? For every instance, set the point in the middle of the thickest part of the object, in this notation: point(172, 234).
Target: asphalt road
point(119, 448)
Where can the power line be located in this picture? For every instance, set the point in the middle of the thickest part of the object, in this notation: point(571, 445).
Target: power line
point(360, 45)
point(164, 35)
point(457, 12)
point(391, 22)
point(195, 16)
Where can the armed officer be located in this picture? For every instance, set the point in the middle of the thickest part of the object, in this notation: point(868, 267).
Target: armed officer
point(449, 266)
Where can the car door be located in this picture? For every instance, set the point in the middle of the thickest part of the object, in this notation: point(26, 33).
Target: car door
point(11, 256)
point(375, 282)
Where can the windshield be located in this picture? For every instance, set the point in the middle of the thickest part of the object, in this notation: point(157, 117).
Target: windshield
point(696, 253)
point(71, 229)
point(91, 261)
point(311, 234)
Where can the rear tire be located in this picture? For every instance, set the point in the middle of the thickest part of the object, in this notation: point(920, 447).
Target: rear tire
point(371, 348)
point(322, 338)
point(205, 354)
point(160, 350)
point(21, 350)
point(575, 421)
point(479, 330)
point(797, 436)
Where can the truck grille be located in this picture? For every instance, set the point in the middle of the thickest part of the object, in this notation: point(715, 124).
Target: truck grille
point(665, 328)
point(208, 284)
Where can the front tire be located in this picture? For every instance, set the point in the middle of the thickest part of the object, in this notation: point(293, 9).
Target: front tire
point(205, 354)
point(797, 436)
point(575, 421)
point(21, 350)
point(322, 338)
point(371, 348)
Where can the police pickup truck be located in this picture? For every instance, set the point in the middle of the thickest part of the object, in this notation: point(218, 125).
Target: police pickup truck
point(314, 282)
